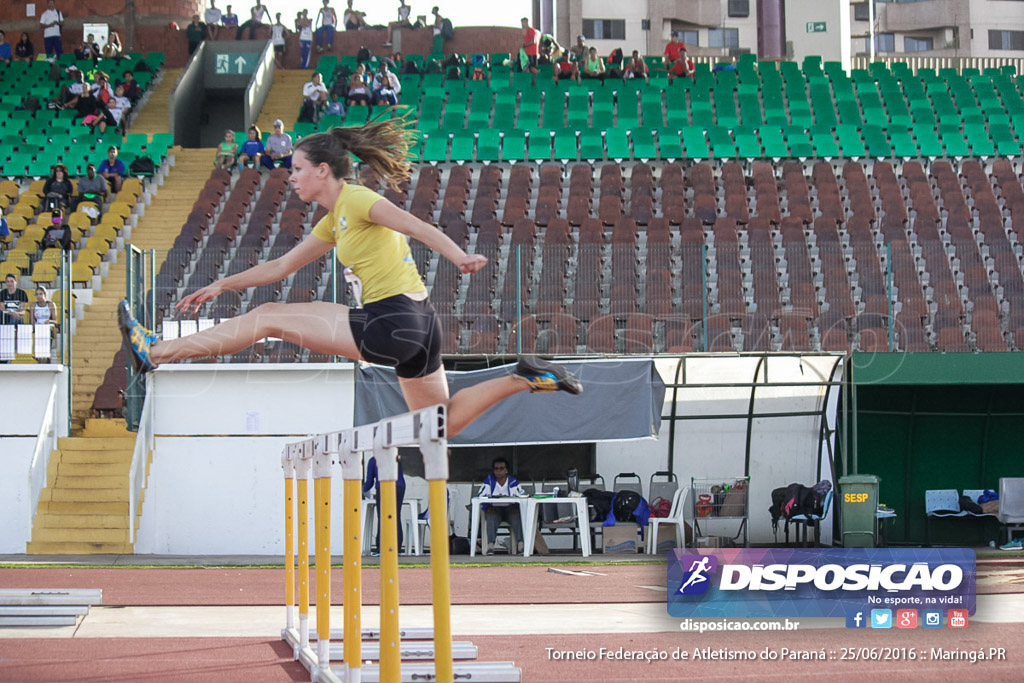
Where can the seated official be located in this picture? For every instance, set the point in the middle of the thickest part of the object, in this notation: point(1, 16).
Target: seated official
point(500, 484)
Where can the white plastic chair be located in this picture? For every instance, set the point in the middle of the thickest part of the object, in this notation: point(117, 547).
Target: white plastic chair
point(676, 516)
point(1011, 505)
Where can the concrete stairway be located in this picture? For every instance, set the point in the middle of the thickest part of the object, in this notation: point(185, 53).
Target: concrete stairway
point(284, 99)
point(97, 338)
point(154, 117)
point(84, 507)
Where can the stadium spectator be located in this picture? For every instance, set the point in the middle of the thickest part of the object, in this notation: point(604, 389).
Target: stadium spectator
point(442, 31)
point(593, 65)
point(195, 33)
point(550, 50)
point(614, 63)
point(57, 189)
point(386, 86)
point(637, 68)
point(277, 152)
point(227, 150)
point(212, 17)
point(229, 18)
point(113, 169)
point(131, 86)
point(69, 94)
point(52, 21)
point(12, 302)
point(359, 87)
point(277, 38)
point(24, 50)
point(566, 69)
point(336, 105)
point(91, 188)
point(251, 150)
point(58, 234)
point(500, 484)
point(88, 49)
point(304, 27)
point(531, 48)
point(257, 14)
point(353, 18)
point(676, 61)
point(112, 49)
point(43, 310)
point(326, 21)
point(6, 51)
point(579, 50)
point(403, 22)
point(314, 97)
point(90, 112)
point(118, 108)
point(101, 89)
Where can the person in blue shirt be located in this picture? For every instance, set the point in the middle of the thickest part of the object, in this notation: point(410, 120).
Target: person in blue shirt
point(6, 53)
point(373, 482)
point(252, 149)
point(113, 169)
point(500, 484)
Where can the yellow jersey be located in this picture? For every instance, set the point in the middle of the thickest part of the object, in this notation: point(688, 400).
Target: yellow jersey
point(377, 255)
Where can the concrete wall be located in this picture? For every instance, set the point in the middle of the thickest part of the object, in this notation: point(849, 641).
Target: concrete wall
point(19, 434)
point(833, 44)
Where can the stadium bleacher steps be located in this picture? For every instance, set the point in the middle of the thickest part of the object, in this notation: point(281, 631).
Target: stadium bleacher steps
point(155, 116)
point(84, 507)
point(97, 338)
point(284, 99)
point(46, 606)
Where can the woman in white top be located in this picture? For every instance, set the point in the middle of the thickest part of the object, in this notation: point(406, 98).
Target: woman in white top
point(305, 28)
point(43, 310)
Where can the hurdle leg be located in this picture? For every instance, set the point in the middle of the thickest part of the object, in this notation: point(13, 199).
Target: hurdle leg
point(322, 500)
point(390, 636)
point(289, 538)
point(353, 580)
point(440, 580)
point(302, 489)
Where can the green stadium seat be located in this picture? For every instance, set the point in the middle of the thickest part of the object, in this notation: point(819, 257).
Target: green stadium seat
point(435, 147)
point(617, 142)
point(747, 144)
point(903, 144)
point(694, 143)
point(643, 144)
point(462, 145)
point(539, 145)
point(488, 145)
point(928, 142)
point(669, 145)
point(955, 144)
point(513, 146)
point(799, 143)
point(825, 144)
point(773, 142)
point(721, 143)
point(591, 145)
point(566, 146)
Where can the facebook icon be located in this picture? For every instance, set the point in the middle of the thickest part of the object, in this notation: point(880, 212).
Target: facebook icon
point(856, 619)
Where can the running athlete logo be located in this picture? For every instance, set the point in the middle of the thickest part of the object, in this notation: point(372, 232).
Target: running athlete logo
point(696, 578)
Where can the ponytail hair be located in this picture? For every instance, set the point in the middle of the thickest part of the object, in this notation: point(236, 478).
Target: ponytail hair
point(383, 144)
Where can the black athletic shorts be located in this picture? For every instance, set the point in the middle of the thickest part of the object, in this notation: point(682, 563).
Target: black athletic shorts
point(400, 332)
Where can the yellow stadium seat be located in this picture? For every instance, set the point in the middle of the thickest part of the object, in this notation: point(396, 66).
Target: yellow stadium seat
point(29, 199)
point(98, 243)
point(112, 221)
point(80, 216)
point(44, 272)
point(58, 297)
point(5, 203)
point(89, 258)
point(9, 189)
point(24, 210)
point(17, 262)
point(126, 198)
point(132, 186)
point(36, 187)
point(107, 232)
point(16, 223)
point(120, 209)
point(52, 255)
point(81, 274)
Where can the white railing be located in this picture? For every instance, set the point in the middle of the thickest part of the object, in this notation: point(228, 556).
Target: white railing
point(46, 443)
point(140, 458)
point(958, 63)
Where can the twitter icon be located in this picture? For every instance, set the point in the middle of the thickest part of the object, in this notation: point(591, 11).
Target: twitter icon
point(881, 618)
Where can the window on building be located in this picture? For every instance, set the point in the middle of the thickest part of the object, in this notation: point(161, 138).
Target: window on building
point(861, 12)
point(724, 37)
point(911, 44)
point(604, 29)
point(689, 37)
point(739, 8)
point(885, 42)
point(1006, 40)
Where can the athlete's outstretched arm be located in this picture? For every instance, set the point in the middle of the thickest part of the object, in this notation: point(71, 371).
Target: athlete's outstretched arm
point(390, 216)
point(309, 249)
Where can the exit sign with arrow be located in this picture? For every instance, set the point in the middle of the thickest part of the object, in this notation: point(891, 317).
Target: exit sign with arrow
point(235, 64)
point(816, 27)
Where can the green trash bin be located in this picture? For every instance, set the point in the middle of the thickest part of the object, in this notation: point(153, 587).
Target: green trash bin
point(858, 501)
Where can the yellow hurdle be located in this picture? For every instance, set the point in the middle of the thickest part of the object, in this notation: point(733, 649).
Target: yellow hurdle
point(440, 577)
point(302, 475)
point(322, 499)
point(353, 580)
point(390, 637)
point(288, 465)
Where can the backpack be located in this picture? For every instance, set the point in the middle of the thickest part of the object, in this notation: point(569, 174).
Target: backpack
point(433, 66)
point(364, 55)
point(458, 545)
point(661, 507)
point(797, 499)
point(599, 502)
point(625, 504)
point(307, 114)
point(447, 30)
point(142, 166)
